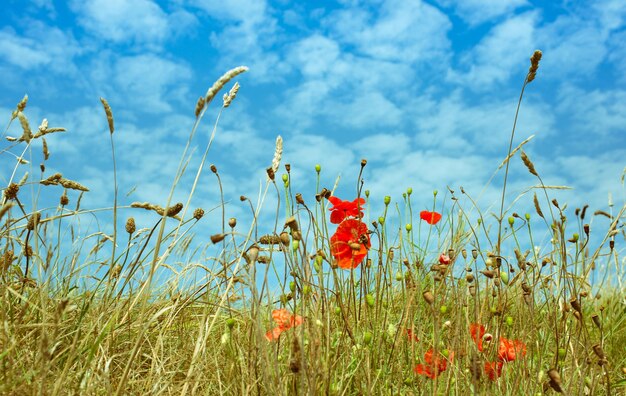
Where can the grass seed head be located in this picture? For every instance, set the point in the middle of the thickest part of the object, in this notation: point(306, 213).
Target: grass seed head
point(130, 225)
point(11, 191)
point(198, 213)
point(109, 114)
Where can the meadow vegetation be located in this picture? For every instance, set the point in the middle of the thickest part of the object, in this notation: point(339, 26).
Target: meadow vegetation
point(329, 298)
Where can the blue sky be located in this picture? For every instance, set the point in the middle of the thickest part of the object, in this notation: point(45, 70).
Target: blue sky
point(425, 90)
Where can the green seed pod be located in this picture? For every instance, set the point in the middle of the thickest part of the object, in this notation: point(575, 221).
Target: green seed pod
point(295, 244)
point(292, 286)
point(367, 338)
point(306, 290)
point(318, 168)
point(399, 276)
point(562, 353)
point(387, 200)
point(337, 310)
point(285, 178)
point(317, 263)
point(381, 220)
point(409, 191)
point(504, 277)
point(369, 299)
point(443, 309)
point(527, 216)
point(408, 227)
point(509, 320)
point(230, 323)
point(367, 193)
point(511, 221)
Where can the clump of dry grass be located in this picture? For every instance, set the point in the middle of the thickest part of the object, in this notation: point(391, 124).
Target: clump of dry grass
point(69, 327)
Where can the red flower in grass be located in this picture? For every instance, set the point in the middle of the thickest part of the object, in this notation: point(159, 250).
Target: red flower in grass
point(342, 209)
point(444, 259)
point(350, 243)
point(509, 350)
point(493, 370)
point(434, 365)
point(477, 331)
point(411, 336)
point(285, 321)
point(431, 218)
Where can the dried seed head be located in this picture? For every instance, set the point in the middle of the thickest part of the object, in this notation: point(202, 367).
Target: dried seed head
point(555, 380)
point(64, 200)
point(130, 225)
point(199, 106)
point(5, 208)
point(46, 153)
point(363, 162)
point(219, 84)
point(252, 254)
point(109, 114)
point(216, 238)
point(299, 199)
point(33, 220)
point(269, 240)
point(529, 165)
point(488, 273)
point(22, 104)
point(28, 251)
point(428, 297)
point(597, 349)
point(278, 153)
point(228, 98)
point(537, 207)
point(232, 222)
point(174, 210)
point(198, 213)
point(270, 173)
point(11, 191)
point(575, 304)
point(213, 168)
point(534, 65)
point(474, 254)
point(292, 223)
point(596, 320)
point(284, 238)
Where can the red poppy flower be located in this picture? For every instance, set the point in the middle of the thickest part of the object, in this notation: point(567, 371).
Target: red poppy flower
point(285, 320)
point(509, 350)
point(493, 370)
point(477, 331)
point(342, 209)
point(431, 218)
point(444, 259)
point(411, 336)
point(350, 243)
point(434, 365)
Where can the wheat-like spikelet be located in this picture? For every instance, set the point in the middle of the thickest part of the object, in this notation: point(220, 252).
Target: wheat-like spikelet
point(228, 98)
point(200, 105)
point(20, 107)
point(278, 153)
point(219, 84)
point(5, 208)
point(529, 164)
point(534, 65)
point(171, 212)
point(46, 153)
point(27, 135)
point(44, 130)
point(109, 114)
point(57, 179)
point(23, 179)
point(537, 207)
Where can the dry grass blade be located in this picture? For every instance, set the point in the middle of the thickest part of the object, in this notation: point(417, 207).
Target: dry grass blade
point(515, 150)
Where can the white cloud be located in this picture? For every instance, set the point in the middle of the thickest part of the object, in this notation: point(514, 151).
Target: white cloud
point(453, 126)
point(40, 46)
point(499, 54)
point(145, 83)
point(400, 31)
point(476, 12)
point(139, 21)
point(601, 113)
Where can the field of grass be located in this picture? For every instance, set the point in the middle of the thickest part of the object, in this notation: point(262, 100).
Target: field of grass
point(341, 302)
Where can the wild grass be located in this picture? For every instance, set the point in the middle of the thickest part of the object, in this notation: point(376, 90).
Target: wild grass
point(92, 314)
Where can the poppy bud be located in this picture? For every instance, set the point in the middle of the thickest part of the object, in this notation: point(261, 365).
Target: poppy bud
point(527, 216)
point(318, 168)
point(369, 299)
point(387, 200)
point(409, 227)
point(511, 221)
point(285, 178)
point(381, 220)
point(409, 191)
